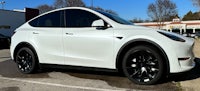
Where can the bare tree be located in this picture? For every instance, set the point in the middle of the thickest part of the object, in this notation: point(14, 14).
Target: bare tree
point(196, 3)
point(161, 11)
point(136, 20)
point(68, 3)
point(44, 8)
point(60, 3)
point(75, 3)
point(105, 10)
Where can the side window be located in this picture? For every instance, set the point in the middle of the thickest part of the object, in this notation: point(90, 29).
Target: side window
point(54, 19)
point(79, 18)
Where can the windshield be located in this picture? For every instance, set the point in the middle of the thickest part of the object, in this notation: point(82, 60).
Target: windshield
point(115, 18)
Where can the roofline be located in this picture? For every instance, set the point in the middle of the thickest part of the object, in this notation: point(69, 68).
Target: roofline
point(82, 8)
point(108, 20)
point(11, 11)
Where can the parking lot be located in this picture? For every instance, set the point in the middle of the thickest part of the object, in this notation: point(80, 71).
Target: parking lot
point(88, 80)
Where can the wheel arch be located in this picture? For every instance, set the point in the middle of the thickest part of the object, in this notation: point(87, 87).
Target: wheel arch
point(24, 44)
point(137, 42)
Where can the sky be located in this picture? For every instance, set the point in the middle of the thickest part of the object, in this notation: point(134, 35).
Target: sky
point(127, 9)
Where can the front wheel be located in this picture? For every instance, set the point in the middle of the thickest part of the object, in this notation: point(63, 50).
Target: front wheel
point(143, 65)
point(26, 60)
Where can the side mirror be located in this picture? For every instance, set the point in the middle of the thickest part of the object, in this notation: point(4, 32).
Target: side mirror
point(98, 23)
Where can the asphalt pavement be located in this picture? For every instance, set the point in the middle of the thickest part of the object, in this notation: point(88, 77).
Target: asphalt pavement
point(70, 80)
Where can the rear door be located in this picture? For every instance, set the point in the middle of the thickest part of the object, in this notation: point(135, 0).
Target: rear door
point(47, 36)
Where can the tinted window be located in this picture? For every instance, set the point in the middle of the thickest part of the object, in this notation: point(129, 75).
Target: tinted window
point(116, 18)
point(80, 18)
point(54, 19)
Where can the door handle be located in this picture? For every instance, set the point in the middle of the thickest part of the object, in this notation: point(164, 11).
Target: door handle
point(69, 33)
point(35, 33)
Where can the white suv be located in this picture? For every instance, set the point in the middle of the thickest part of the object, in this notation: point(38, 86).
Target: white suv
point(83, 37)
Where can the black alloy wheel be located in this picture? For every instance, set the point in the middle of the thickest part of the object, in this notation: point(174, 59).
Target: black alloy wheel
point(143, 65)
point(26, 60)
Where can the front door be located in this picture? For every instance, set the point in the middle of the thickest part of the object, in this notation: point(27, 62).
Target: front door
point(86, 45)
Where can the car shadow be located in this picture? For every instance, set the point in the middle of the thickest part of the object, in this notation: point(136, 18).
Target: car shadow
point(113, 79)
point(177, 77)
point(8, 69)
point(116, 79)
point(4, 45)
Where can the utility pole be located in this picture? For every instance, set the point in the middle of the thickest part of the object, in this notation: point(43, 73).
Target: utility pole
point(2, 4)
point(92, 4)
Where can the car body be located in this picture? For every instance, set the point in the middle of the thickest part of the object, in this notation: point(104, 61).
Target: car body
point(80, 36)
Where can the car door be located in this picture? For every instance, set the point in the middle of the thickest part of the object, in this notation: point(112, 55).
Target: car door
point(47, 37)
point(85, 45)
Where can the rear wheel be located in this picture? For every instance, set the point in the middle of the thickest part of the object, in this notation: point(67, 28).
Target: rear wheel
point(143, 65)
point(26, 60)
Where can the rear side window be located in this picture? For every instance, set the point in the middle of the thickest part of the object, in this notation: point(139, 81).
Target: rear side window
point(54, 19)
point(79, 18)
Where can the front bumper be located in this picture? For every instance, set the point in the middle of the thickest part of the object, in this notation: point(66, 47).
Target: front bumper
point(186, 65)
point(184, 56)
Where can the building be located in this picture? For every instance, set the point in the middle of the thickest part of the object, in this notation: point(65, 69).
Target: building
point(176, 25)
point(12, 19)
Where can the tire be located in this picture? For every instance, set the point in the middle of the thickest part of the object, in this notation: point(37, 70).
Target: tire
point(26, 61)
point(143, 65)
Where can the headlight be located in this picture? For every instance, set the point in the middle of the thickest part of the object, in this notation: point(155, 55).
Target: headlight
point(173, 37)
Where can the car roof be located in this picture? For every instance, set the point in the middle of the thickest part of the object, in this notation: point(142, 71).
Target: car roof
point(111, 22)
point(81, 8)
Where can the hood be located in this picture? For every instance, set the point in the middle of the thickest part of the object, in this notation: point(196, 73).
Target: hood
point(147, 30)
point(136, 27)
point(178, 35)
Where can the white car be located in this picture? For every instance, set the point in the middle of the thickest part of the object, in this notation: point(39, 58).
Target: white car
point(89, 38)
